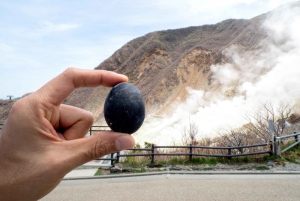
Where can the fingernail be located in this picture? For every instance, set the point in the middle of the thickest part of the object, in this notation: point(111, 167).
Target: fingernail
point(125, 77)
point(124, 142)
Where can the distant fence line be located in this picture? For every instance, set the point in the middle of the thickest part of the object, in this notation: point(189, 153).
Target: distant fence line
point(274, 148)
point(191, 153)
point(273, 145)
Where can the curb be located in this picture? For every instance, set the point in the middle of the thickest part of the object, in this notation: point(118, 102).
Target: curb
point(186, 173)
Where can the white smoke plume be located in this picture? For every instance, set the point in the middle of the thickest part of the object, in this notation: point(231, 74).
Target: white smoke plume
point(271, 74)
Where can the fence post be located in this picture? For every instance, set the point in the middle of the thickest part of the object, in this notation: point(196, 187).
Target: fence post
point(229, 152)
point(271, 129)
point(296, 139)
point(112, 159)
point(152, 154)
point(277, 143)
point(271, 148)
point(91, 131)
point(118, 157)
point(191, 152)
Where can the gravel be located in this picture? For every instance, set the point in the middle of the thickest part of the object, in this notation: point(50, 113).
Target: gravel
point(287, 167)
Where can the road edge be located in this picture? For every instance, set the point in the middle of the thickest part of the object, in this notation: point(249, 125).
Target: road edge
point(185, 173)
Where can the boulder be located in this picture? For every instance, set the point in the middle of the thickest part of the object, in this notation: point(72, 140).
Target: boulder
point(127, 169)
point(153, 165)
point(120, 165)
point(153, 169)
point(176, 167)
point(271, 163)
point(115, 169)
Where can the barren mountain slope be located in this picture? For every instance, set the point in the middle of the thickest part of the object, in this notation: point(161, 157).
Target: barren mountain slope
point(5, 106)
point(162, 64)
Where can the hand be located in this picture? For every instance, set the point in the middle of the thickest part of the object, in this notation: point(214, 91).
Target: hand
point(42, 139)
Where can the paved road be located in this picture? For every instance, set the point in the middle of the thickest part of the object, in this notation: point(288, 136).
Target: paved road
point(181, 187)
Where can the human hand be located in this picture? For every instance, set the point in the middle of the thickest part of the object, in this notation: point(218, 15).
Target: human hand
point(42, 139)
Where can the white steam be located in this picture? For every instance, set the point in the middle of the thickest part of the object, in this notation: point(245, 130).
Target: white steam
point(271, 74)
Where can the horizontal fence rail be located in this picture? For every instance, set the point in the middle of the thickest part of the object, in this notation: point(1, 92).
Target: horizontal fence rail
point(98, 129)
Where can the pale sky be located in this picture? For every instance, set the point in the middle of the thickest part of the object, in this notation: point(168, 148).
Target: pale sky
point(41, 38)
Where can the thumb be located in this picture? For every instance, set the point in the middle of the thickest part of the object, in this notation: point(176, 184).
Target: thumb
point(87, 149)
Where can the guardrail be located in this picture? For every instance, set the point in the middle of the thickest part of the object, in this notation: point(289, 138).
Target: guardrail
point(277, 143)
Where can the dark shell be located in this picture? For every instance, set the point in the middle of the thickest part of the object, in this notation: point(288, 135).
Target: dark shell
point(124, 108)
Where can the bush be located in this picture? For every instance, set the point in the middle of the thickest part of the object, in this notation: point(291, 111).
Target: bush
point(212, 161)
point(134, 161)
point(221, 160)
point(176, 160)
point(198, 161)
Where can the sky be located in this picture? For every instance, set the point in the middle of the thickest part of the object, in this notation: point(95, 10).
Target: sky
point(39, 38)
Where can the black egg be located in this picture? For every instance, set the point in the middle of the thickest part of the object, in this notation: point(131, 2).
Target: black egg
point(124, 108)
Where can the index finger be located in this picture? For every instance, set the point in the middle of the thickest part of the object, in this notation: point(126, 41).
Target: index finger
point(59, 88)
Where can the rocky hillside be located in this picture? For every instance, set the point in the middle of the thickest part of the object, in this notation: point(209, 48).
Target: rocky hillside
point(5, 106)
point(162, 64)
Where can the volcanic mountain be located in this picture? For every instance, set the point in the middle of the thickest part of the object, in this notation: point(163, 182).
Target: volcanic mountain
point(163, 64)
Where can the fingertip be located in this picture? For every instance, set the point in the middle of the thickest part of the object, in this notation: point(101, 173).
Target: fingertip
point(125, 78)
point(125, 141)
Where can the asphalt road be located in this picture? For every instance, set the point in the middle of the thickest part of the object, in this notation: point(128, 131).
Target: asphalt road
point(181, 187)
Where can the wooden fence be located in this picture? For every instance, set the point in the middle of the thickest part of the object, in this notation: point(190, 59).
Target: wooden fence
point(190, 153)
point(273, 148)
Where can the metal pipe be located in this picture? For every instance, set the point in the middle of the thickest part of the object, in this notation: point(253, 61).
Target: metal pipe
point(289, 147)
point(287, 136)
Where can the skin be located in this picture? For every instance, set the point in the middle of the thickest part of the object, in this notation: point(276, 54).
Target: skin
point(42, 139)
